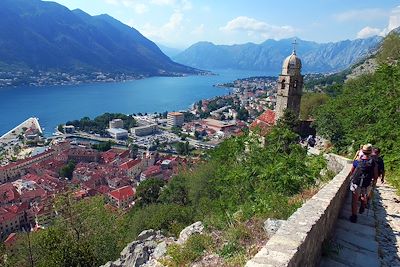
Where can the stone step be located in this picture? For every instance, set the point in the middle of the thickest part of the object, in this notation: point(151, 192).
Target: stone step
point(327, 262)
point(358, 229)
point(349, 257)
point(362, 219)
point(356, 240)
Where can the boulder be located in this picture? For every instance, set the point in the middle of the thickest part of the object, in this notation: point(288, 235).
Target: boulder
point(271, 226)
point(196, 228)
point(160, 250)
point(139, 252)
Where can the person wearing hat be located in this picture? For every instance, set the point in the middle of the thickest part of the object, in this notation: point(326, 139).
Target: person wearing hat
point(363, 173)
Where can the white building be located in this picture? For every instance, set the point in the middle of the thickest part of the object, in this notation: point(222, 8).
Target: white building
point(118, 133)
point(116, 123)
point(69, 129)
point(175, 119)
point(145, 130)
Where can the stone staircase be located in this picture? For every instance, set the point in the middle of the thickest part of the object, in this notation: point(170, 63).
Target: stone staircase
point(353, 244)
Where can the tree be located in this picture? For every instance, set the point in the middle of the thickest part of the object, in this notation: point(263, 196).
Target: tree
point(103, 146)
point(149, 191)
point(67, 170)
point(133, 150)
point(311, 101)
point(243, 114)
point(390, 50)
point(176, 130)
point(183, 148)
point(289, 120)
point(165, 114)
point(176, 192)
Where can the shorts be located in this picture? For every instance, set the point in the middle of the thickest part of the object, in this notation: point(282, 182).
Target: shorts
point(360, 190)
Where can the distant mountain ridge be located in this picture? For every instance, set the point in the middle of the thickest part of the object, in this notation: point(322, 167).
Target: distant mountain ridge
point(326, 57)
point(46, 36)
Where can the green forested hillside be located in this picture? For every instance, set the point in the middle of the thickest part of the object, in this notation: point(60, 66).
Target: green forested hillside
point(368, 111)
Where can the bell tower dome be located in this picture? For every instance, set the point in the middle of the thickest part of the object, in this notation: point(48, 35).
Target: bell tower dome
point(290, 85)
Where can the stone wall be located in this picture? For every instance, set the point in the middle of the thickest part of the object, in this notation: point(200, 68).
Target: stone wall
point(298, 242)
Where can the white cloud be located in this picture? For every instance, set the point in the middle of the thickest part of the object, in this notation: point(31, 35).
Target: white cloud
point(394, 19)
point(361, 15)
point(368, 32)
point(140, 8)
point(394, 22)
point(163, 2)
point(199, 30)
point(255, 27)
point(166, 32)
point(178, 4)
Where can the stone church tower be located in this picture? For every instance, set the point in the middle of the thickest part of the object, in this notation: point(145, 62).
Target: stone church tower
point(290, 86)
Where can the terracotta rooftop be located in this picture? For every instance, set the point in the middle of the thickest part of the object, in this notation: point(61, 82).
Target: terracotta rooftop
point(264, 122)
point(123, 193)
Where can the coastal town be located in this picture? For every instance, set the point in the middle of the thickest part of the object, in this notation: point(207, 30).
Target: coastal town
point(113, 161)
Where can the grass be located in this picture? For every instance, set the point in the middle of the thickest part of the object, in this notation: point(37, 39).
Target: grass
point(194, 248)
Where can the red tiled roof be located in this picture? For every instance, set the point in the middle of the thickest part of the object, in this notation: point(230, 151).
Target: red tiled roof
point(8, 193)
point(129, 164)
point(108, 156)
point(103, 189)
point(152, 170)
point(264, 122)
point(123, 193)
point(267, 117)
point(29, 195)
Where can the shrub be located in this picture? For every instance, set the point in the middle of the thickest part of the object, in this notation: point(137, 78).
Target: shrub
point(191, 251)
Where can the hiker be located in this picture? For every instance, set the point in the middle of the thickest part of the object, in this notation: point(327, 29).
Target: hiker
point(376, 155)
point(364, 171)
point(359, 153)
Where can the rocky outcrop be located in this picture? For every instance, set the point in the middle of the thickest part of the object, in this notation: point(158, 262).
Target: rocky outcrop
point(196, 228)
point(151, 246)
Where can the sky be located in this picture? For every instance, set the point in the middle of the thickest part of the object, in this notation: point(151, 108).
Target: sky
point(181, 23)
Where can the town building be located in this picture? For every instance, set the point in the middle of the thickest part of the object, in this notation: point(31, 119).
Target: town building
point(69, 129)
point(80, 154)
point(17, 169)
point(116, 123)
point(122, 197)
point(145, 130)
point(290, 86)
point(118, 133)
point(133, 167)
point(13, 218)
point(175, 119)
point(152, 172)
point(218, 125)
point(263, 123)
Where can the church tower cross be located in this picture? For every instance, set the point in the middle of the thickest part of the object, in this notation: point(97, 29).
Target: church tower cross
point(294, 46)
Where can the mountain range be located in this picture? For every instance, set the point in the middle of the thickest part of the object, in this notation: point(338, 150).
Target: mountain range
point(268, 56)
point(46, 36)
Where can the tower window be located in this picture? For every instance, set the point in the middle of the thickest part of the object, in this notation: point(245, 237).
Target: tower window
point(283, 84)
point(295, 84)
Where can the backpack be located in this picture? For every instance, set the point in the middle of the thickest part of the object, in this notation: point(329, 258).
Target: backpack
point(363, 173)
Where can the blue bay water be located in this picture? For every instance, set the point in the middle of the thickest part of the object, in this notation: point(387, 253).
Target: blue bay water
point(54, 105)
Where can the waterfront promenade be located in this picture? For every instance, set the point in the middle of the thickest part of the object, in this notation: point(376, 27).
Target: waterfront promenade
point(16, 131)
